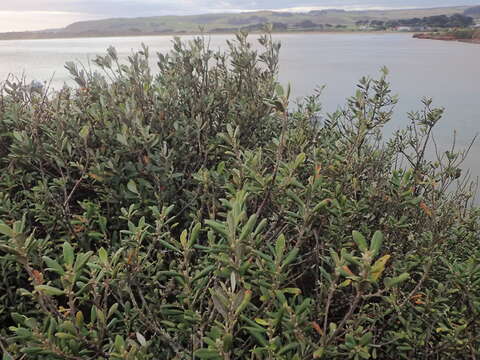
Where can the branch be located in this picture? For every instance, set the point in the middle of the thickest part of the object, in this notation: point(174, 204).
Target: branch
point(277, 164)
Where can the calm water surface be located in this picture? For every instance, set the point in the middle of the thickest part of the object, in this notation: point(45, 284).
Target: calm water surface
point(448, 72)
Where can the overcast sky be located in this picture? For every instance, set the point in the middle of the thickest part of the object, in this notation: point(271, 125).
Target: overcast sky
point(18, 15)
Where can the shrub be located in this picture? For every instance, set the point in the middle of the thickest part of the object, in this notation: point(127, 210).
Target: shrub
point(463, 33)
point(193, 214)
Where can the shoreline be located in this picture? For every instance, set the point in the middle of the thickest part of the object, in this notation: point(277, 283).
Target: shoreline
point(175, 34)
point(426, 36)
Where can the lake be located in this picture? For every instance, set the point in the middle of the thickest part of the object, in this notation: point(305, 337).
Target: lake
point(449, 72)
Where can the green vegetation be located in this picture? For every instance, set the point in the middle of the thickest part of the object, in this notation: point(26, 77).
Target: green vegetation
point(438, 21)
point(465, 35)
point(324, 20)
point(193, 214)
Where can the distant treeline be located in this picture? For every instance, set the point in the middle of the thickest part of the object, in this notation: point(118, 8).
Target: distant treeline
point(306, 25)
point(438, 21)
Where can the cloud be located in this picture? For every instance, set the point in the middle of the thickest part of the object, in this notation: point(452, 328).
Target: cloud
point(39, 20)
point(163, 7)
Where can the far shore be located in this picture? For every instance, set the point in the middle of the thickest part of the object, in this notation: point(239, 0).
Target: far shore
point(445, 37)
point(58, 36)
point(5, 37)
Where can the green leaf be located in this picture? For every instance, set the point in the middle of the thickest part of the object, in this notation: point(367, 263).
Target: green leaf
point(318, 354)
point(295, 198)
point(360, 241)
point(194, 235)
point(350, 341)
point(119, 344)
point(292, 291)
point(260, 227)
point(84, 132)
point(49, 290)
point(300, 159)
point(53, 265)
point(23, 333)
point(122, 139)
point(32, 350)
point(79, 319)
point(245, 302)
point(65, 336)
point(101, 316)
point(321, 205)
point(280, 247)
point(291, 257)
point(6, 230)
point(103, 255)
point(287, 348)
point(113, 309)
point(217, 227)
point(207, 354)
point(184, 238)
point(18, 318)
point(390, 282)
point(82, 260)
point(248, 228)
point(18, 135)
point(93, 314)
point(219, 305)
point(378, 268)
point(204, 272)
point(366, 339)
point(227, 342)
point(10, 250)
point(169, 246)
point(68, 254)
point(376, 243)
point(261, 322)
point(257, 334)
point(132, 187)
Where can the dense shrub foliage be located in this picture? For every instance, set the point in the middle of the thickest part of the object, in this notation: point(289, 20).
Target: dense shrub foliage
point(193, 214)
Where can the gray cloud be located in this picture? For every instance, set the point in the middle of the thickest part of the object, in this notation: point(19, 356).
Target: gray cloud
point(181, 7)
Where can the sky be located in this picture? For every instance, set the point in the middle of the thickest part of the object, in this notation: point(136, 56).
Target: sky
point(20, 15)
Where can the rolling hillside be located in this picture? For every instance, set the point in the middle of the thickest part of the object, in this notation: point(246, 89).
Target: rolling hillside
point(326, 20)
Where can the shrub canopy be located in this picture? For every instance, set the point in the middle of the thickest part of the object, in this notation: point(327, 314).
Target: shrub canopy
point(195, 213)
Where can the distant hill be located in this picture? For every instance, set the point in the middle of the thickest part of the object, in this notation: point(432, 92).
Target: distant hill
point(225, 23)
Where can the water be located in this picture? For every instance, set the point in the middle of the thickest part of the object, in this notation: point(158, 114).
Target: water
point(446, 71)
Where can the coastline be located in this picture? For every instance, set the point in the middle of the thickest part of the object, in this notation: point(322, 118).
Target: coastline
point(444, 37)
point(66, 36)
point(193, 33)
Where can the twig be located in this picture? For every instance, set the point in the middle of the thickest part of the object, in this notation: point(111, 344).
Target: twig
point(418, 286)
point(327, 307)
point(3, 347)
point(348, 315)
point(277, 164)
